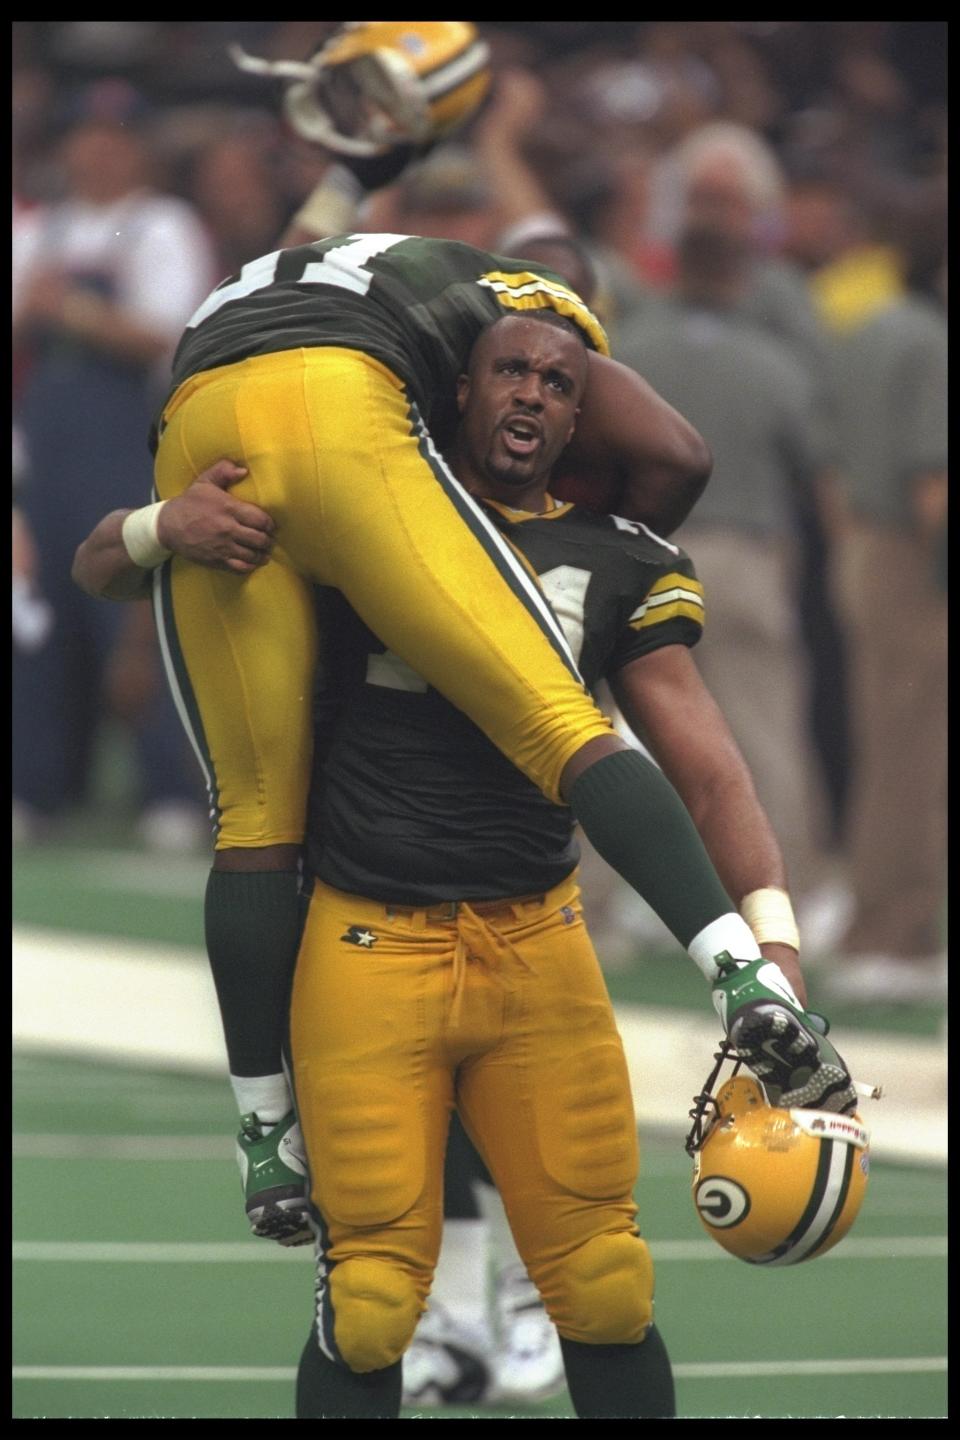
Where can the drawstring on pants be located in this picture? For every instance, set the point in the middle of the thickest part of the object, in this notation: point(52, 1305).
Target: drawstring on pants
point(476, 936)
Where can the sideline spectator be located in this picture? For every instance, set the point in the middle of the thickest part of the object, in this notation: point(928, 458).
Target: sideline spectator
point(891, 385)
point(234, 190)
point(728, 179)
point(755, 405)
point(726, 176)
point(103, 283)
point(836, 236)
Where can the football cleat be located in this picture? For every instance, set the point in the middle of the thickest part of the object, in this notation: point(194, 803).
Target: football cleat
point(784, 1046)
point(376, 84)
point(446, 1364)
point(273, 1172)
point(528, 1362)
point(774, 1186)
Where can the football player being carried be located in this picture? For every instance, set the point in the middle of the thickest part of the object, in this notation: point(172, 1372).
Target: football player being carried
point(445, 962)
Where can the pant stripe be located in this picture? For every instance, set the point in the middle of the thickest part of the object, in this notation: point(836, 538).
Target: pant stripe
point(523, 586)
point(323, 1306)
point(324, 1303)
point(179, 682)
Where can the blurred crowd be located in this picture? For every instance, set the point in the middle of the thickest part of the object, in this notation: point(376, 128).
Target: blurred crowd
point(759, 210)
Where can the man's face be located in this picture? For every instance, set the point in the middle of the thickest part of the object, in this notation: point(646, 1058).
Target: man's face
point(518, 405)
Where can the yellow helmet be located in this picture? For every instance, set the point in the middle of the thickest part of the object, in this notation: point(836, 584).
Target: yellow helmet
point(774, 1187)
point(380, 83)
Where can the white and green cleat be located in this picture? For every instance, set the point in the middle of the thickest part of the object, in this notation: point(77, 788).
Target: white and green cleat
point(273, 1170)
point(785, 1046)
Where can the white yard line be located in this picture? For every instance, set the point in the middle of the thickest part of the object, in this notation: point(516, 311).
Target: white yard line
point(215, 1252)
point(720, 1370)
point(123, 1147)
point(223, 1373)
point(867, 1247)
point(156, 1252)
point(752, 1369)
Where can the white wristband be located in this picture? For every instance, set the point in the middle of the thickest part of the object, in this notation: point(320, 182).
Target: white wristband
point(770, 916)
point(139, 532)
point(331, 208)
point(728, 933)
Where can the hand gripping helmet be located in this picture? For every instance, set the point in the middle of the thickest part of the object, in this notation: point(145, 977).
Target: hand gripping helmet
point(380, 83)
point(774, 1187)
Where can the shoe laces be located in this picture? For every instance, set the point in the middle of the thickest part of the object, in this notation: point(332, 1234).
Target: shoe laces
point(250, 1128)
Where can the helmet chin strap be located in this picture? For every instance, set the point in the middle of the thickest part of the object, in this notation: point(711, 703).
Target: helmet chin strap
point(275, 69)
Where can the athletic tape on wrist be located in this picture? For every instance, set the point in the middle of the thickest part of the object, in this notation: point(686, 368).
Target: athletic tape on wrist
point(139, 532)
point(331, 209)
point(770, 916)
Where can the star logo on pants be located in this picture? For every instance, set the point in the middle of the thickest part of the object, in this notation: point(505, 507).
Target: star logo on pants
point(357, 935)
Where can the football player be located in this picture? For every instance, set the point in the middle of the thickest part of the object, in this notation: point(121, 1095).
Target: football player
point(477, 982)
point(631, 599)
point(324, 362)
point(317, 362)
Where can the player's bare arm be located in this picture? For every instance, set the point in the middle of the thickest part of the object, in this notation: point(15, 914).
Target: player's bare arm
point(667, 704)
point(625, 425)
point(661, 463)
point(205, 524)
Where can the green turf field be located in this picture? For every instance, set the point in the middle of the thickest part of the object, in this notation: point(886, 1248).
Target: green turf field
point(138, 1294)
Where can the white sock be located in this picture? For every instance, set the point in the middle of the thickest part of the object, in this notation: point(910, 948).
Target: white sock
point(268, 1095)
point(460, 1280)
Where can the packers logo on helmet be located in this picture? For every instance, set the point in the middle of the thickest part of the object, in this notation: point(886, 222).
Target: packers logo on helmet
point(380, 83)
point(771, 1186)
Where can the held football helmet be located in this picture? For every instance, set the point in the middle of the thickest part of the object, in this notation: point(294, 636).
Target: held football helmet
point(380, 83)
point(772, 1186)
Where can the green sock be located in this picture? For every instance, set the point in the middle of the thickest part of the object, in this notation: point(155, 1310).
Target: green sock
point(620, 1382)
point(636, 820)
point(253, 922)
point(326, 1391)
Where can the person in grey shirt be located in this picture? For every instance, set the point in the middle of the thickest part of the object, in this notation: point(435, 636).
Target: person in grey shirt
point(890, 380)
point(756, 405)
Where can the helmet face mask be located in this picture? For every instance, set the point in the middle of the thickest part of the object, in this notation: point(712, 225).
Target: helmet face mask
point(376, 84)
point(774, 1187)
point(360, 107)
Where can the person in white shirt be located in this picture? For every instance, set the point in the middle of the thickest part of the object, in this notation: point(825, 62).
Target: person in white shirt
point(103, 281)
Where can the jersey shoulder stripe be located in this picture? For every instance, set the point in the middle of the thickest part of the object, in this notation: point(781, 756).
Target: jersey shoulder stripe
point(671, 596)
point(674, 579)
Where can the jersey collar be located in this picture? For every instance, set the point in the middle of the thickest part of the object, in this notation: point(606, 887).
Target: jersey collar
point(559, 507)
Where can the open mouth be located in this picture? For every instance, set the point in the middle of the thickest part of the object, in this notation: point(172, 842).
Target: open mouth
point(521, 436)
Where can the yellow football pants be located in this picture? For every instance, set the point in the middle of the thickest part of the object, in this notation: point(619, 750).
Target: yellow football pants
point(397, 1015)
point(362, 502)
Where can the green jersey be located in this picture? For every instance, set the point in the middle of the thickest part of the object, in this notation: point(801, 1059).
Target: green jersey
point(411, 803)
point(416, 305)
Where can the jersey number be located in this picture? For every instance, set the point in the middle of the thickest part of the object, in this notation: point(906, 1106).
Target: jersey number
point(339, 266)
point(565, 586)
